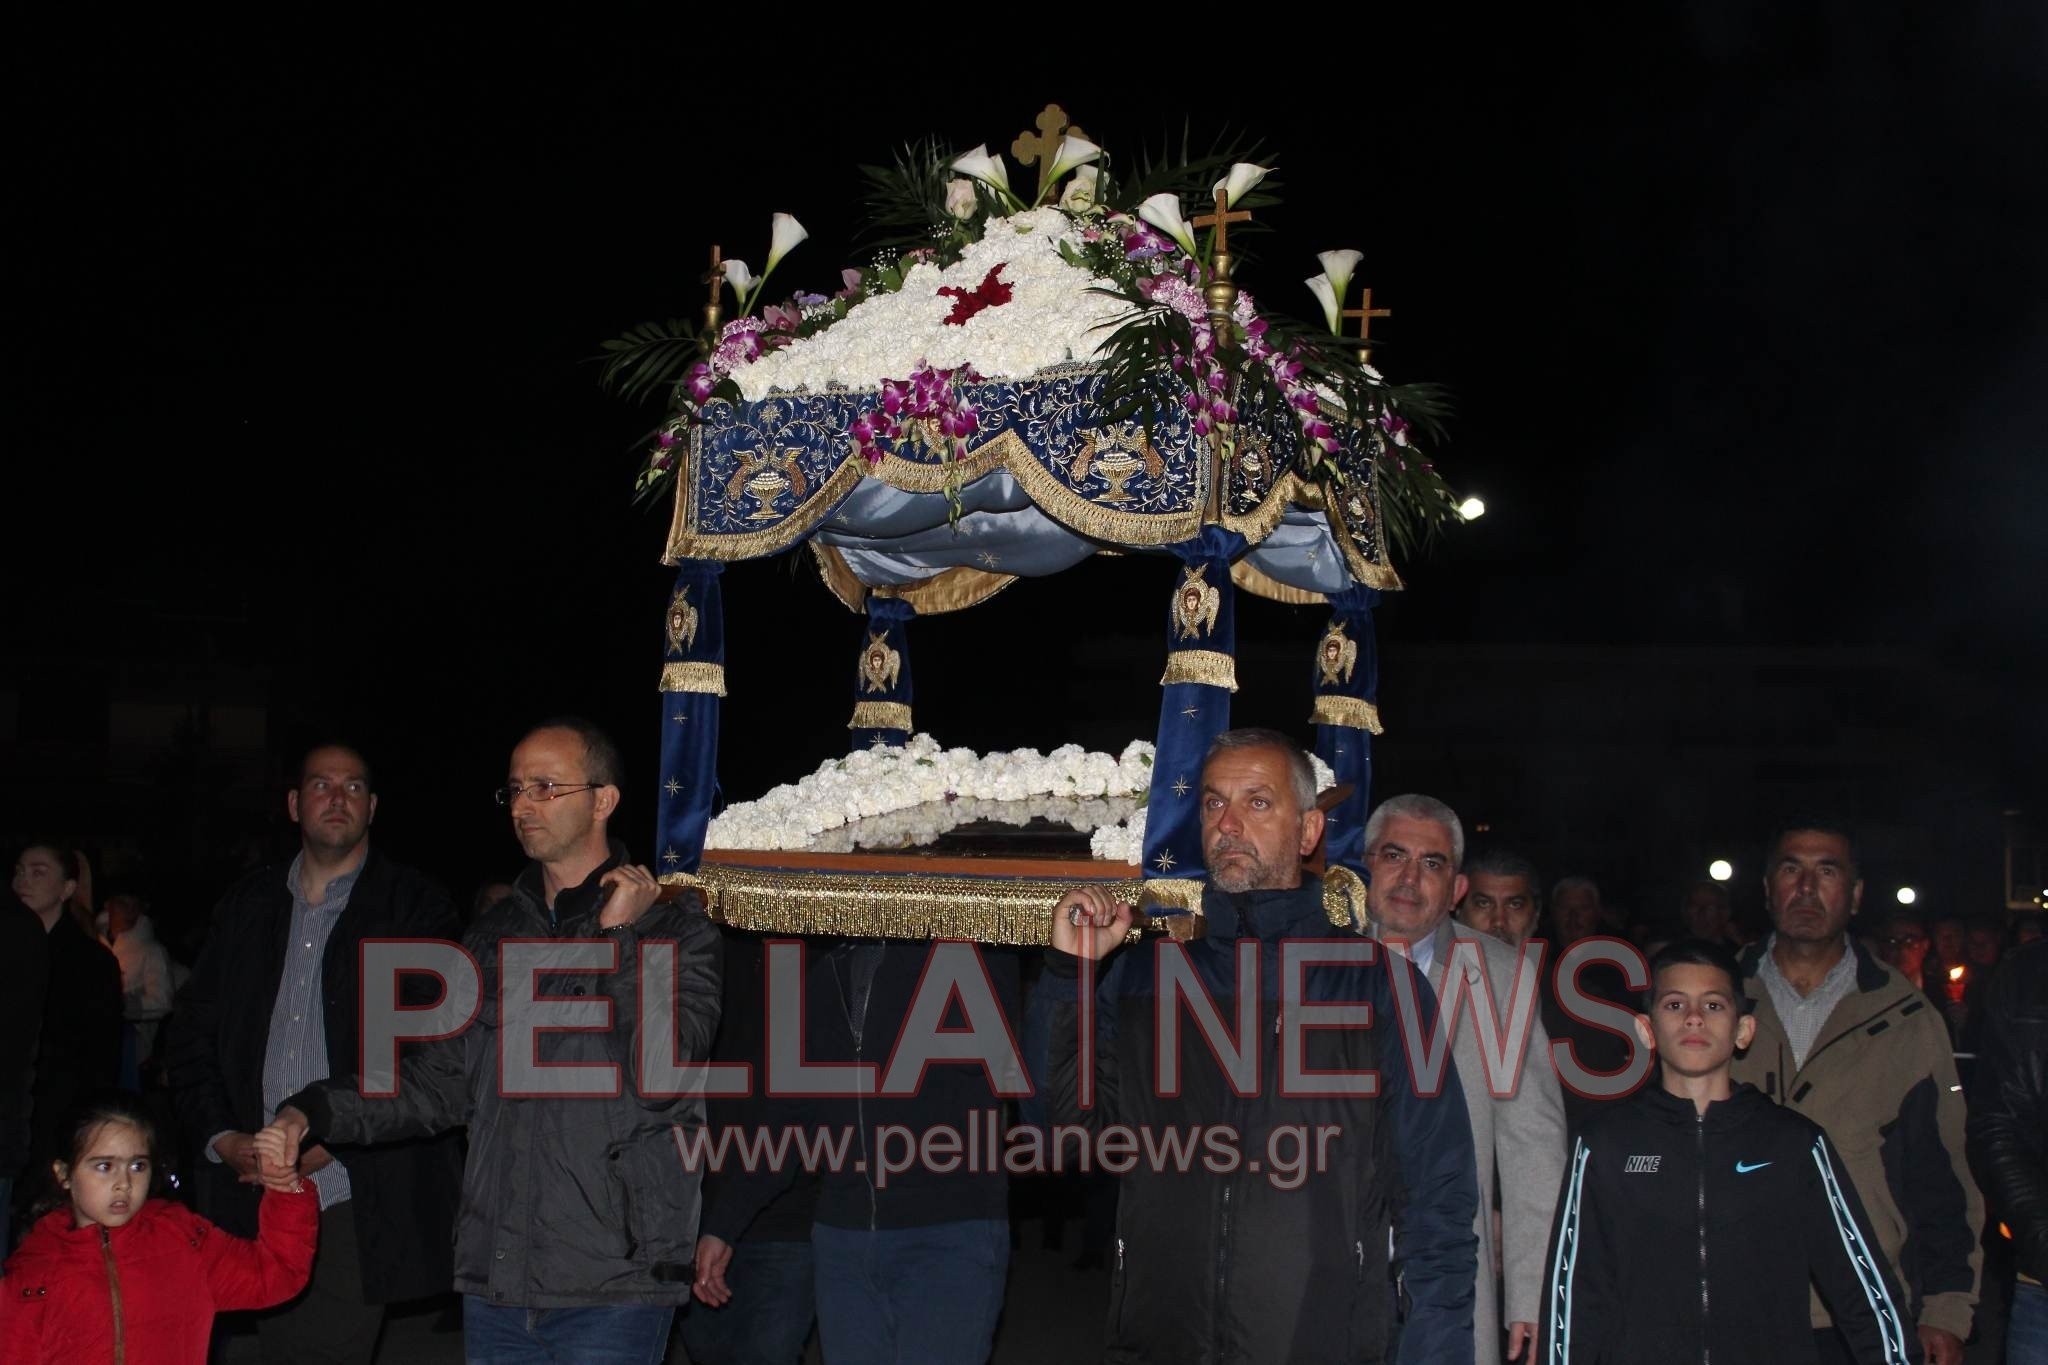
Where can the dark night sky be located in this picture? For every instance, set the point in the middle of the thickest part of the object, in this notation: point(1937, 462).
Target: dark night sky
point(1745, 308)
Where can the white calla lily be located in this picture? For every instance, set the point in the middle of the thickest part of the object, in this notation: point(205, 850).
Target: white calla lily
point(1084, 191)
point(738, 276)
point(1339, 266)
point(1162, 211)
point(1326, 295)
point(1239, 182)
point(783, 239)
point(979, 165)
point(1072, 152)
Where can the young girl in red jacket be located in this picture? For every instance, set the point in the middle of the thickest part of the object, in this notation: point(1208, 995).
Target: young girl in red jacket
point(111, 1274)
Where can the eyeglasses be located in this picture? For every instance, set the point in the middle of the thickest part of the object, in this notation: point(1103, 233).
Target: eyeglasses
point(541, 791)
point(1903, 940)
point(1391, 856)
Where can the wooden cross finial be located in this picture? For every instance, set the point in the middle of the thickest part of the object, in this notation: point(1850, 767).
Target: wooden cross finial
point(1365, 313)
point(1036, 149)
point(1221, 220)
point(714, 277)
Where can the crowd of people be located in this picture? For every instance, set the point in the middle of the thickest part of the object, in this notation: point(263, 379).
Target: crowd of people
point(1709, 1138)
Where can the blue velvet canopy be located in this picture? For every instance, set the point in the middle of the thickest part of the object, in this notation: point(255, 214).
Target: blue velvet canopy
point(1047, 481)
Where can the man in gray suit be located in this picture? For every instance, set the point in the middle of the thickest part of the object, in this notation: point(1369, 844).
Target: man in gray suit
point(1415, 846)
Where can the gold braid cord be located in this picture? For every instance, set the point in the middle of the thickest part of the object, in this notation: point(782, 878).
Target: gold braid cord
point(880, 715)
point(874, 905)
point(689, 677)
point(1209, 667)
point(1348, 711)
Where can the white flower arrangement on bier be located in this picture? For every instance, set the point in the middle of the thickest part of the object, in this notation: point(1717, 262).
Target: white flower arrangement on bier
point(885, 780)
point(902, 796)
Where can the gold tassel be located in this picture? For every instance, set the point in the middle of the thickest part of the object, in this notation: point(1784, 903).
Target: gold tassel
point(1344, 898)
point(1334, 709)
point(880, 715)
point(694, 677)
point(1209, 667)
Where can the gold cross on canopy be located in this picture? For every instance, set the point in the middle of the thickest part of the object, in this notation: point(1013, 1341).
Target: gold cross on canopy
point(1221, 220)
point(1365, 313)
point(715, 277)
point(1036, 149)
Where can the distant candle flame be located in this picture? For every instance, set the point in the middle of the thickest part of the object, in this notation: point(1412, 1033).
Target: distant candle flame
point(1955, 973)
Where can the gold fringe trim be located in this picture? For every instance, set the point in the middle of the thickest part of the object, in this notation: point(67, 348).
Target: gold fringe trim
point(1344, 898)
point(953, 589)
point(684, 543)
point(1205, 666)
point(694, 677)
point(880, 715)
point(910, 476)
point(1261, 584)
point(1367, 572)
point(1006, 451)
point(1348, 711)
point(1094, 520)
point(873, 905)
point(839, 579)
point(685, 883)
point(1181, 900)
point(1261, 521)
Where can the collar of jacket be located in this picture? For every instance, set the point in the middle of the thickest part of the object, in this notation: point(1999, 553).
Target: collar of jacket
point(1721, 1116)
point(1871, 974)
point(576, 902)
point(1289, 912)
point(58, 1224)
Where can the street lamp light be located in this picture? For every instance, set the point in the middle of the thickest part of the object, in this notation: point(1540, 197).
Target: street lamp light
point(1472, 509)
point(1907, 895)
point(1720, 869)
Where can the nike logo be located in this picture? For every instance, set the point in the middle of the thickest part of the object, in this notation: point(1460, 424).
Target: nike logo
point(1744, 1168)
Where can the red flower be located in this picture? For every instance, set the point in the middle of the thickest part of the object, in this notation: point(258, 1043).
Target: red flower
point(990, 293)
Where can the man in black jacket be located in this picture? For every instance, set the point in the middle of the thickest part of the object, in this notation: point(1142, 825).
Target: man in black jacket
point(273, 1004)
point(24, 976)
point(80, 1040)
point(2008, 1127)
point(578, 1221)
point(1252, 1253)
point(909, 1257)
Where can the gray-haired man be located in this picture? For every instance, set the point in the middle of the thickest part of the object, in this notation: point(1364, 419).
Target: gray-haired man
point(1415, 846)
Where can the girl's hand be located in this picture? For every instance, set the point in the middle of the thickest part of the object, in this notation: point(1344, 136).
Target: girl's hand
point(277, 1150)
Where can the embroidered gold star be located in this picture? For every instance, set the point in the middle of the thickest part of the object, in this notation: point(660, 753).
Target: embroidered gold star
point(679, 718)
point(1180, 786)
point(671, 857)
point(1164, 862)
point(671, 786)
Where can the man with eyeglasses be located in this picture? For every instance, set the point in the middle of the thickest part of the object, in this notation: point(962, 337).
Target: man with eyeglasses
point(1415, 846)
point(271, 1007)
point(1902, 942)
point(577, 1233)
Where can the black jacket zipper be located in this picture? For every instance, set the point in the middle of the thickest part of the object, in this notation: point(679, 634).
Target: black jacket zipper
point(1700, 1133)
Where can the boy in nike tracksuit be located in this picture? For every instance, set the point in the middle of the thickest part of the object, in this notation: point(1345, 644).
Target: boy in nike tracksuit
point(1694, 1217)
